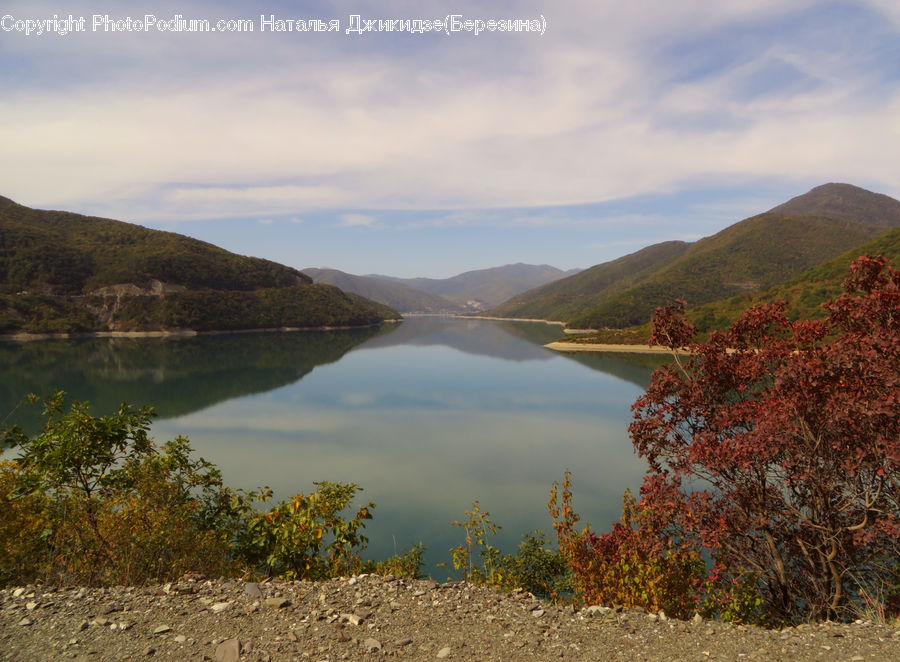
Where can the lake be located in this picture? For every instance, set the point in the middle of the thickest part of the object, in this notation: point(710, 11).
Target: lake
point(426, 416)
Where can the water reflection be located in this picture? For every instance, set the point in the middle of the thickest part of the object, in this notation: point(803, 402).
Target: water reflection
point(426, 416)
point(512, 341)
point(176, 375)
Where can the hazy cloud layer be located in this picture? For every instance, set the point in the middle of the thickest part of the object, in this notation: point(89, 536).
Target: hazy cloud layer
point(616, 100)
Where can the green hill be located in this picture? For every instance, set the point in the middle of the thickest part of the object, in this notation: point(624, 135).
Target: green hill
point(62, 272)
point(571, 297)
point(750, 256)
point(804, 293)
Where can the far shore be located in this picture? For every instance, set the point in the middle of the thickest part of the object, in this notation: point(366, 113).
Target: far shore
point(179, 333)
point(510, 319)
point(604, 347)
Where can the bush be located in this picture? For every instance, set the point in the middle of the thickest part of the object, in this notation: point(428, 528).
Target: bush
point(789, 431)
point(532, 568)
point(98, 503)
point(306, 537)
point(641, 563)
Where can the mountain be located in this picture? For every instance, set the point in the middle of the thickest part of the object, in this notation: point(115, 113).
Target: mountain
point(805, 293)
point(750, 256)
point(486, 288)
point(62, 272)
point(570, 297)
point(389, 292)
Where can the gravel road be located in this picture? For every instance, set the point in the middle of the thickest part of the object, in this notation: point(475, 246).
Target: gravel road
point(374, 618)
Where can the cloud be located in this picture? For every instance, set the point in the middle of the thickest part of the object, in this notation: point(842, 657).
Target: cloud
point(650, 97)
point(265, 221)
point(357, 220)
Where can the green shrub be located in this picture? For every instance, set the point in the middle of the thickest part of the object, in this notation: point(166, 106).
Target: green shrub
point(306, 537)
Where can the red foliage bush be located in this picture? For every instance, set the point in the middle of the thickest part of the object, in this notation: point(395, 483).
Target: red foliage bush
point(784, 440)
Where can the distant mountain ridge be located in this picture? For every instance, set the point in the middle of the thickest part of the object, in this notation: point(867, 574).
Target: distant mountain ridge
point(62, 272)
point(397, 295)
point(570, 297)
point(486, 288)
point(749, 256)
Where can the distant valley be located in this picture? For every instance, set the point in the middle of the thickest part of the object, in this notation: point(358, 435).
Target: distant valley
point(469, 292)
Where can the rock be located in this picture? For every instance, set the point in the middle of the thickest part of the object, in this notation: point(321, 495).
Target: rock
point(162, 629)
point(18, 592)
point(277, 603)
point(537, 613)
point(228, 651)
point(372, 645)
point(31, 606)
point(26, 621)
point(595, 610)
point(403, 642)
point(352, 619)
point(180, 639)
point(697, 619)
point(352, 581)
point(252, 590)
point(444, 652)
point(219, 607)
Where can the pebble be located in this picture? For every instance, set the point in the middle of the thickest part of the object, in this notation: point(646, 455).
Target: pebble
point(458, 621)
point(277, 603)
point(219, 607)
point(252, 590)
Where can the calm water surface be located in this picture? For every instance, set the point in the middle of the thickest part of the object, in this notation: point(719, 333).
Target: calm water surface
point(426, 416)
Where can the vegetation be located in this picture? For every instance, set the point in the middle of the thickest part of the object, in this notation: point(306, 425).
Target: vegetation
point(92, 500)
point(774, 449)
point(533, 567)
point(64, 253)
point(66, 273)
point(804, 294)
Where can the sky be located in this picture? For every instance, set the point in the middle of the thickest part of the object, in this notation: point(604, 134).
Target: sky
point(610, 126)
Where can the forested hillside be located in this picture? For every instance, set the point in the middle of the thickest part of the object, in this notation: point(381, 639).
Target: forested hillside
point(62, 272)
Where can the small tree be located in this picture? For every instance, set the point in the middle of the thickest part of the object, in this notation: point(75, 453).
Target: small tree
point(784, 440)
point(95, 501)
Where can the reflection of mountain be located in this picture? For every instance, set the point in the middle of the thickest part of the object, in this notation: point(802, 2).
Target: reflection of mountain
point(176, 376)
point(634, 368)
point(513, 341)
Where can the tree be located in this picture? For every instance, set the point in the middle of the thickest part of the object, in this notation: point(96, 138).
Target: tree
point(783, 441)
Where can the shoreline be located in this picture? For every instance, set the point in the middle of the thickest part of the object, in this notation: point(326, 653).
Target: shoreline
point(179, 333)
point(607, 347)
point(510, 319)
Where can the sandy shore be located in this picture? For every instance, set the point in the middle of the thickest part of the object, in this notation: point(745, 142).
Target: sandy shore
point(597, 347)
